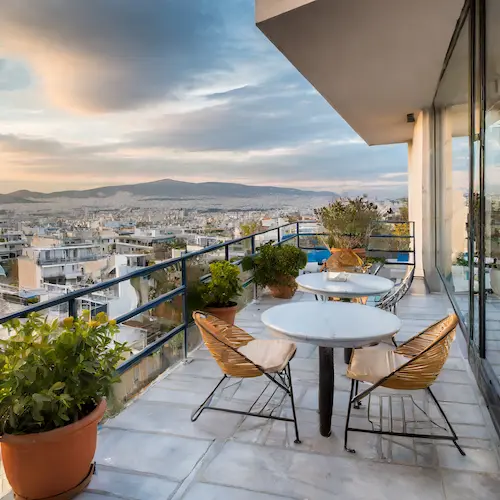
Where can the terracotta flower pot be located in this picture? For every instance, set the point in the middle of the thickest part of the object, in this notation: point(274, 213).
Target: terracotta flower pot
point(345, 259)
point(360, 252)
point(286, 290)
point(226, 314)
point(47, 464)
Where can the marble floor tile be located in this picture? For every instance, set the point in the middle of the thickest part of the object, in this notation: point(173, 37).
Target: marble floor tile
point(467, 486)
point(304, 475)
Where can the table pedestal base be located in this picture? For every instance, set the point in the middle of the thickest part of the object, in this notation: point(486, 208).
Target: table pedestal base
point(326, 384)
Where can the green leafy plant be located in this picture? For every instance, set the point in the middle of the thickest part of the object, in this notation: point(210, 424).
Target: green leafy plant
point(53, 374)
point(275, 265)
point(461, 260)
point(224, 285)
point(349, 222)
point(250, 227)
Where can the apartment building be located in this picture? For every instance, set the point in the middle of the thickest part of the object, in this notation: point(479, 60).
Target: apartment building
point(11, 244)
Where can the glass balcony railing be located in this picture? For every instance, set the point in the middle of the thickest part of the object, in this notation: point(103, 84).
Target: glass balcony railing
point(153, 305)
point(67, 259)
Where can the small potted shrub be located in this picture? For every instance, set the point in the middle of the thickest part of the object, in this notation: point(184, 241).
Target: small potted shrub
point(277, 267)
point(349, 223)
point(220, 292)
point(54, 378)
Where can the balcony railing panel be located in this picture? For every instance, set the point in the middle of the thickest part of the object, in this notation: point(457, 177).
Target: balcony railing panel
point(163, 293)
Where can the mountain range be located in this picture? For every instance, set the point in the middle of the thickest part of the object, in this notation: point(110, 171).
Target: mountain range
point(165, 189)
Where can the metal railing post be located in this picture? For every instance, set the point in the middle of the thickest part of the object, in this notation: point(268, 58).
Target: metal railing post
point(184, 307)
point(252, 241)
point(279, 235)
point(297, 231)
point(72, 309)
point(226, 252)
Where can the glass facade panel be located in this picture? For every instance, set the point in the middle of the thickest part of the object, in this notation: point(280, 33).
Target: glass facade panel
point(451, 108)
point(492, 187)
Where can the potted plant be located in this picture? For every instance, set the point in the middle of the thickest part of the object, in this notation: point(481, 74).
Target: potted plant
point(277, 267)
point(54, 378)
point(349, 223)
point(219, 293)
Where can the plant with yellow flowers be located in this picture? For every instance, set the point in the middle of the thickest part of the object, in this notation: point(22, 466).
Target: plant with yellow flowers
point(54, 373)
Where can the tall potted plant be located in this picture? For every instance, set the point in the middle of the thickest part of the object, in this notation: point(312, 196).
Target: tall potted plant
point(54, 379)
point(220, 292)
point(349, 223)
point(277, 267)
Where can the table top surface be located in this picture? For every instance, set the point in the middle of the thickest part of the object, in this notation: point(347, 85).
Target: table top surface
point(357, 285)
point(331, 324)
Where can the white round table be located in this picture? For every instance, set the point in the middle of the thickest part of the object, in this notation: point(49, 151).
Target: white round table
point(356, 285)
point(329, 325)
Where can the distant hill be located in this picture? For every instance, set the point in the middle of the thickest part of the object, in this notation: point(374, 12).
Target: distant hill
point(165, 189)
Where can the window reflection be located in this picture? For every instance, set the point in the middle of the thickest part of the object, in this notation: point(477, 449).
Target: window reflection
point(451, 107)
point(492, 186)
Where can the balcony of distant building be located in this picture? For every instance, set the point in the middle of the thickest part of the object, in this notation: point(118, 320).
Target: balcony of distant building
point(11, 244)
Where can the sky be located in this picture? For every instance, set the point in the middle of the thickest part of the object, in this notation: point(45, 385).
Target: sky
point(109, 92)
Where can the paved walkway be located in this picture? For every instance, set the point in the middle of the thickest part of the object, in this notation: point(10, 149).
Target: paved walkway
point(152, 450)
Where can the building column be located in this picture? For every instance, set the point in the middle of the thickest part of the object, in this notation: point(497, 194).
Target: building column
point(421, 200)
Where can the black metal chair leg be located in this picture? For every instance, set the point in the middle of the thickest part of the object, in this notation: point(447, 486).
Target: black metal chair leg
point(289, 375)
point(455, 437)
point(196, 413)
point(351, 395)
point(357, 404)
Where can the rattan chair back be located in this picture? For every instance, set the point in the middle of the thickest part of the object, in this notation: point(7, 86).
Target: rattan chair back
point(428, 352)
point(223, 340)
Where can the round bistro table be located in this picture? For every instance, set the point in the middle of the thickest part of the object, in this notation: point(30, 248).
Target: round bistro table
point(356, 285)
point(329, 325)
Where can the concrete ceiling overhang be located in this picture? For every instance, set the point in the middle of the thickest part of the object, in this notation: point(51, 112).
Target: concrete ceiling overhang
point(374, 61)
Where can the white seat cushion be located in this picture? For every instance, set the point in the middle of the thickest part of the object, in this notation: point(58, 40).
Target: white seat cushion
point(370, 364)
point(269, 355)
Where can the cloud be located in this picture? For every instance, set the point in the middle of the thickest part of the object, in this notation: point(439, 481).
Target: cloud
point(273, 114)
point(187, 89)
point(13, 76)
point(110, 55)
point(311, 166)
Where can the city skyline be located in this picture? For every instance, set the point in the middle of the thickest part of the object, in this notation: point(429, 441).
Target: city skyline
point(189, 91)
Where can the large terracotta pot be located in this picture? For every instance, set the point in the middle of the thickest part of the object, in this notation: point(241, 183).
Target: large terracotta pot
point(284, 291)
point(47, 464)
point(226, 314)
point(344, 259)
point(360, 252)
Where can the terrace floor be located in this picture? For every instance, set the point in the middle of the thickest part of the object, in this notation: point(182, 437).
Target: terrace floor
point(152, 450)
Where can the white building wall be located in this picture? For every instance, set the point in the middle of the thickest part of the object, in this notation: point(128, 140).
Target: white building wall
point(421, 199)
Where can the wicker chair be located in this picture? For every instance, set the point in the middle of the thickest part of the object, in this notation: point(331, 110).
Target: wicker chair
point(390, 301)
point(239, 355)
point(413, 365)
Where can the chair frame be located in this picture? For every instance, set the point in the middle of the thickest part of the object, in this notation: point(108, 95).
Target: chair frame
point(391, 300)
point(355, 397)
point(282, 380)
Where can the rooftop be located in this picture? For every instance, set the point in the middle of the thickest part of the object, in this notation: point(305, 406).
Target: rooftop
point(152, 450)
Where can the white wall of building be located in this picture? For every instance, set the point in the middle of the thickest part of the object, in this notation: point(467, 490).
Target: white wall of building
point(421, 199)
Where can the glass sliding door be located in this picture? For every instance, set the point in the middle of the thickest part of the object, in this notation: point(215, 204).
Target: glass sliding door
point(454, 259)
point(491, 348)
